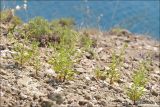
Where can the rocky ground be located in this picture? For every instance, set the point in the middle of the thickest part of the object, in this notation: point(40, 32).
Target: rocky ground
point(23, 89)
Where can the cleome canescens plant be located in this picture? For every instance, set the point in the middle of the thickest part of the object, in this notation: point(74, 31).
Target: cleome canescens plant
point(36, 57)
point(140, 79)
point(62, 64)
point(23, 55)
point(116, 62)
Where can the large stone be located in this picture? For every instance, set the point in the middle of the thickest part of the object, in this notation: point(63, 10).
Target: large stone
point(56, 97)
point(47, 103)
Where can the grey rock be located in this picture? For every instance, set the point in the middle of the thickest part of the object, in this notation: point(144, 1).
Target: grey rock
point(23, 96)
point(2, 47)
point(56, 97)
point(154, 93)
point(80, 70)
point(87, 97)
point(82, 102)
point(93, 88)
point(47, 103)
point(126, 66)
point(89, 104)
point(97, 97)
point(102, 102)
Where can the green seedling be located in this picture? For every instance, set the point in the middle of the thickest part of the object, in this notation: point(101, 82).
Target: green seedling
point(140, 79)
point(23, 54)
point(116, 63)
point(36, 57)
point(135, 93)
point(63, 64)
point(86, 42)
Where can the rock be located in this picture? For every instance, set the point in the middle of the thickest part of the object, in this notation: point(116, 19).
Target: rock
point(126, 66)
point(79, 92)
point(154, 93)
point(107, 68)
point(24, 81)
point(88, 55)
point(23, 96)
point(58, 90)
point(119, 99)
point(104, 57)
point(87, 97)
point(51, 72)
point(93, 79)
point(1, 94)
point(120, 81)
point(7, 53)
point(2, 47)
point(97, 97)
point(89, 104)
point(56, 97)
point(70, 101)
point(102, 102)
point(87, 78)
point(47, 103)
point(80, 70)
point(148, 105)
point(82, 102)
point(93, 88)
point(104, 84)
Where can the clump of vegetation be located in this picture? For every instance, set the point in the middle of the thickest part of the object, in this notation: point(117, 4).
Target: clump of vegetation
point(116, 62)
point(38, 26)
point(63, 64)
point(63, 22)
point(139, 78)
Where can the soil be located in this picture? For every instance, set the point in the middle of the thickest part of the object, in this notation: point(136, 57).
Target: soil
point(21, 88)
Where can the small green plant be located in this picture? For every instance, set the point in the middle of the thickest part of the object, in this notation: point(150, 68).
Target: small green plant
point(99, 74)
point(135, 93)
point(63, 64)
point(36, 57)
point(23, 54)
point(86, 42)
point(116, 62)
point(139, 78)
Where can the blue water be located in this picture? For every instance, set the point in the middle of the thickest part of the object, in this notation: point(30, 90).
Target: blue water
point(141, 16)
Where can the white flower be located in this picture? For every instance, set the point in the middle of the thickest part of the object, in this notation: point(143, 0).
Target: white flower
point(25, 6)
point(18, 7)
